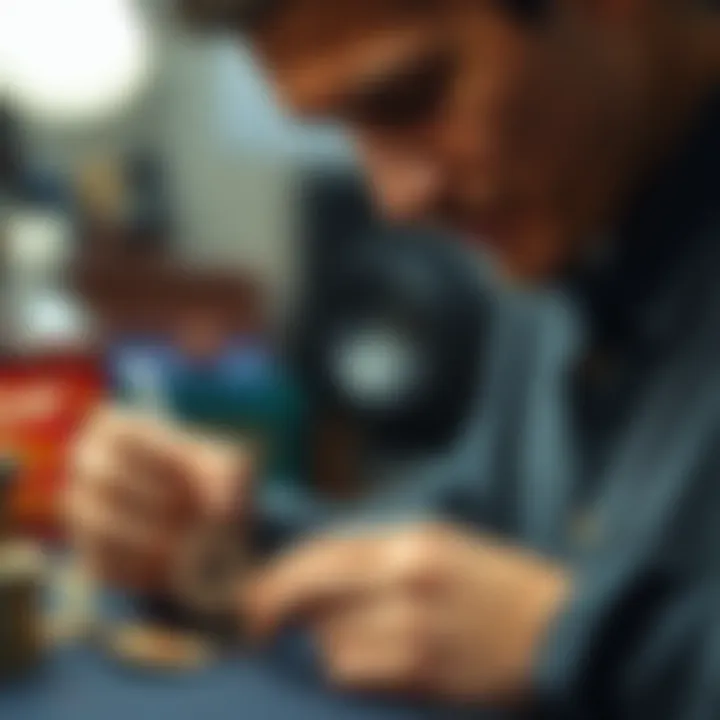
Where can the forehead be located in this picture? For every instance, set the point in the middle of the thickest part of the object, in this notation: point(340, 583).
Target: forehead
point(316, 50)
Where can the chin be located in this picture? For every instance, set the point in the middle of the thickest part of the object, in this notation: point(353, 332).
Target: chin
point(525, 263)
point(532, 268)
point(527, 258)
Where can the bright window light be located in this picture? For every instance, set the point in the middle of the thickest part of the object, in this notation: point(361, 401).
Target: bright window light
point(73, 60)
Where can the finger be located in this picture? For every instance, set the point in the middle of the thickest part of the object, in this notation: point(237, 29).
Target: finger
point(107, 453)
point(206, 474)
point(210, 476)
point(224, 471)
point(99, 474)
point(156, 456)
point(95, 522)
point(118, 567)
point(381, 645)
point(321, 573)
point(385, 613)
point(334, 570)
point(380, 666)
point(118, 555)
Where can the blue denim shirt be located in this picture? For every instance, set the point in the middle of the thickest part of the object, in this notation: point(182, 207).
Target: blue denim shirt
point(596, 441)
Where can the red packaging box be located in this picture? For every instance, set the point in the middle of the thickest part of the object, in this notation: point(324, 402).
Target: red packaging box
point(43, 402)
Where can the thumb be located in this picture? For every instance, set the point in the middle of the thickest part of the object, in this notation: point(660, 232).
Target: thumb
point(224, 474)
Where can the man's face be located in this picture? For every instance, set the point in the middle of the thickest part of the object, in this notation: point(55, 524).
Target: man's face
point(511, 132)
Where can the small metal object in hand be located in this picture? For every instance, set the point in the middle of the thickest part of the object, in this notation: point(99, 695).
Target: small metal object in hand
point(210, 567)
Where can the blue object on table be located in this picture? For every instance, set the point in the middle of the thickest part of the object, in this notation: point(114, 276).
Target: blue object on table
point(244, 391)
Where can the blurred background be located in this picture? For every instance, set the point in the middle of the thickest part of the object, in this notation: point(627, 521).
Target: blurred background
point(159, 216)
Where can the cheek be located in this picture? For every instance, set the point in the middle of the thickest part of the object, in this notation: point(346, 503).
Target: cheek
point(519, 104)
point(562, 124)
point(493, 76)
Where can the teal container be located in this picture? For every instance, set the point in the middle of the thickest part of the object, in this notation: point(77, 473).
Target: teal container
point(272, 413)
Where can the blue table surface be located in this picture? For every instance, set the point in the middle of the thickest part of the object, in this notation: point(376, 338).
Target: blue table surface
point(84, 684)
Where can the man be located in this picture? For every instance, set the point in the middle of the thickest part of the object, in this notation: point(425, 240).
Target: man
point(576, 139)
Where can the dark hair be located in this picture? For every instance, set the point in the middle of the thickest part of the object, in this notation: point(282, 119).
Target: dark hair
point(225, 14)
point(247, 14)
point(527, 10)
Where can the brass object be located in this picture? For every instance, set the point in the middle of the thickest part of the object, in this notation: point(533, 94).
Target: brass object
point(101, 190)
point(158, 648)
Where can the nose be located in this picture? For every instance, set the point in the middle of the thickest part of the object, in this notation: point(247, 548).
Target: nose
point(406, 184)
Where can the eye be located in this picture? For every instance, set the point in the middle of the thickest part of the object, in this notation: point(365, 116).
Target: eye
point(406, 98)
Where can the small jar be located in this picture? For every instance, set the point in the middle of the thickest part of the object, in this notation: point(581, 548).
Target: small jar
point(21, 616)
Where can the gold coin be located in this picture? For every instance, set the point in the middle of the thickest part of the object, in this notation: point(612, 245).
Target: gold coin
point(158, 648)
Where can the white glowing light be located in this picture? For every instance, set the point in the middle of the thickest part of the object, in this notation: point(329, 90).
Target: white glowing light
point(49, 318)
point(3, 76)
point(73, 60)
point(376, 365)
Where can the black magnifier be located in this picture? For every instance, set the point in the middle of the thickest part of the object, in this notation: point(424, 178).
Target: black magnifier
point(393, 338)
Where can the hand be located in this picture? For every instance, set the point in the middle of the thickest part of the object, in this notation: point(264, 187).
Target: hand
point(136, 487)
point(430, 611)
